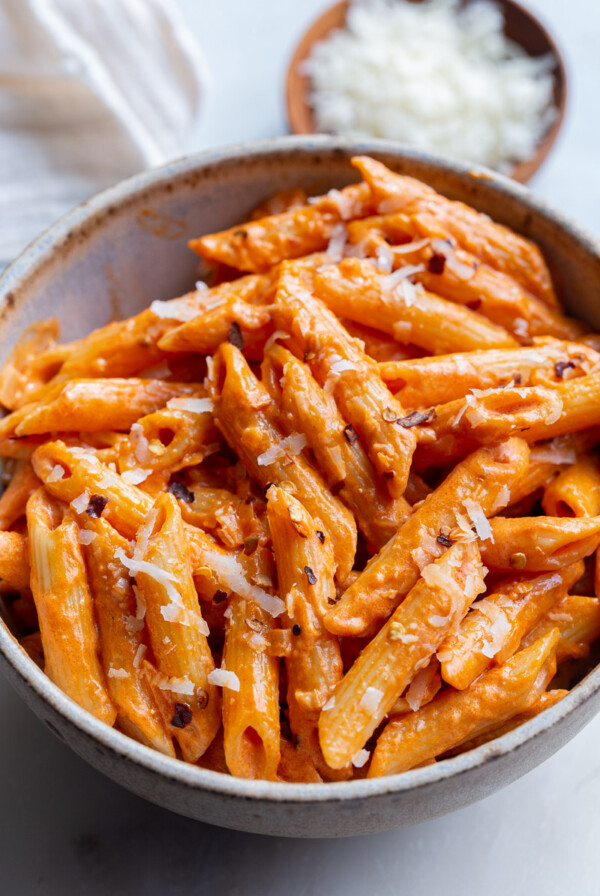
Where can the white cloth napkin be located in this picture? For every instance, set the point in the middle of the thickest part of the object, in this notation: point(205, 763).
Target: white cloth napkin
point(91, 91)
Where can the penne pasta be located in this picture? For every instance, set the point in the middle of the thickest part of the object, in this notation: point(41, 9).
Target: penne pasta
point(244, 416)
point(241, 303)
point(575, 491)
point(539, 543)
point(251, 708)
point(14, 562)
point(433, 215)
point(456, 716)
point(356, 289)
point(31, 364)
point(480, 485)
point(341, 494)
point(123, 644)
point(339, 364)
point(403, 646)
point(345, 467)
point(454, 274)
point(63, 601)
point(496, 625)
point(16, 494)
point(93, 406)
point(258, 245)
point(422, 382)
point(314, 664)
point(189, 702)
point(577, 618)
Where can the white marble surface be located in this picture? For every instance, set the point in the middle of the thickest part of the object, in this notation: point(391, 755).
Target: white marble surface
point(65, 829)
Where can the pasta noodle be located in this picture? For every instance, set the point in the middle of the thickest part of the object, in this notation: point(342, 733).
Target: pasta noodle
point(335, 514)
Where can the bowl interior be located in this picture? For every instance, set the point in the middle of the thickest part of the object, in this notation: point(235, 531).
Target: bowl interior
point(520, 26)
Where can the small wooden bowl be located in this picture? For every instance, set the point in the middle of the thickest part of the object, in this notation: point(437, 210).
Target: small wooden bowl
point(520, 26)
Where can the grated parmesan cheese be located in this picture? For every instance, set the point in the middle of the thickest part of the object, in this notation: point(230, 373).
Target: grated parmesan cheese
point(337, 242)
point(289, 446)
point(57, 472)
point(177, 685)
point(117, 673)
point(80, 503)
point(371, 699)
point(223, 678)
point(385, 258)
point(361, 758)
point(176, 309)
point(193, 405)
point(134, 477)
point(433, 75)
point(141, 443)
point(479, 520)
point(553, 454)
point(230, 574)
point(418, 692)
point(140, 604)
point(139, 656)
point(86, 536)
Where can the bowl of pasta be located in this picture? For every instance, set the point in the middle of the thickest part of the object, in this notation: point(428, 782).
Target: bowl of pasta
point(302, 496)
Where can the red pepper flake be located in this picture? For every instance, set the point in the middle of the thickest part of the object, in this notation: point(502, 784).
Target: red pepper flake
point(436, 263)
point(241, 234)
point(350, 434)
point(235, 337)
point(182, 492)
point(182, 716)
point(312, 579)
point(321, 536)
point(444, 540)
point(219, 597)
point(517, 378)
point(415, 418)
point(250, 544)
point(96, 505)
point(202, 698)
point(561, 366)
point(296, 630)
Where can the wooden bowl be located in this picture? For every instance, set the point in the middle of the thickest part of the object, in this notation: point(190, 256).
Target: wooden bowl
point(520, 26)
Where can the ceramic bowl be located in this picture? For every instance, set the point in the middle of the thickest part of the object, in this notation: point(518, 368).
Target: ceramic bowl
point(520, 26)
point(126, 247)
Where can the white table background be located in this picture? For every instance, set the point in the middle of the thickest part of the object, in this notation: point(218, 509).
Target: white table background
point(65, 829)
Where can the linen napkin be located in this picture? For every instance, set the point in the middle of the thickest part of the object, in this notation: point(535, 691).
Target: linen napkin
point(91, 91)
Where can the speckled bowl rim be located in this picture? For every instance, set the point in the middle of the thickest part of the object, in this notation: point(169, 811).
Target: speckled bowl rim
point(41, 251)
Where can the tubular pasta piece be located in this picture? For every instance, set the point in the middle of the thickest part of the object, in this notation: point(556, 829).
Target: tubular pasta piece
point(391, 573)
point(457, 716)
point(64, 605)
point(493, 243)
point(402, 647)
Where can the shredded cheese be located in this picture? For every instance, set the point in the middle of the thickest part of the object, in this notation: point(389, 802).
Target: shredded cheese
point(193, 405)
point(435, 75)
point(223, 678)
point(287, 447)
